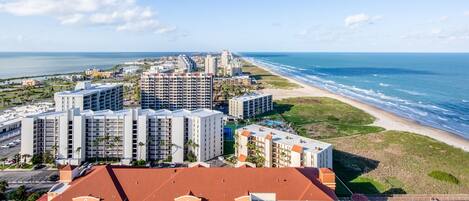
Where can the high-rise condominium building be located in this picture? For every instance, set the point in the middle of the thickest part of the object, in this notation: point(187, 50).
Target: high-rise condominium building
point(281, 149)
point(250, 105)
point(211, 65)
point(186, 64)
point(226, 57)
point(87, 96)
point(234, 68)
point(125, 135)
point(176, 91)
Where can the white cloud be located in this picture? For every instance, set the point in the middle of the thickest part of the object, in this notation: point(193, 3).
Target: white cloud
point(360, 19)
point(70, 19)
point(466, 13)
point(123, 15)
point(443, 18)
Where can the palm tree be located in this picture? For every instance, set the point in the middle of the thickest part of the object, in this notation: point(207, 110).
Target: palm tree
point(140, 145)
point(95, 145)
point(25, 157)
point(78, 151)
point(3, 162)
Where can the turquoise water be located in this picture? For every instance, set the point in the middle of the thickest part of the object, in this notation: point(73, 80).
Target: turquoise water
point(13, 64)
point(430, 88)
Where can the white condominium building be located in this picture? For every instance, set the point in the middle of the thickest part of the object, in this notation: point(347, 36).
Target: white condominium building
point(281, 149)
point(186, 64)
point(87, 96)
point(234, 68)
point(211, 65)
point(125, 135)
point(226, 57)
point(176, 91)
point(250, 105)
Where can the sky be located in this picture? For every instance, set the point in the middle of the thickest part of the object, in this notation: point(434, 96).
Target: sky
point(241, 25)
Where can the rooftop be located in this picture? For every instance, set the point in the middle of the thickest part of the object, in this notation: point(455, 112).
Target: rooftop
point(217, 184)
point(282, 137)
point(125, 112)
point(87, 88)
point(249, 96)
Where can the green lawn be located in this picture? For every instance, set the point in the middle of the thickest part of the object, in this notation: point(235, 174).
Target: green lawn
point(267, 79)
point(320, 118)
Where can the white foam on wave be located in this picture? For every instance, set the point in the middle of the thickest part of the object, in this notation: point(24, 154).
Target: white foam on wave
point(414, 93)
point(384, 85)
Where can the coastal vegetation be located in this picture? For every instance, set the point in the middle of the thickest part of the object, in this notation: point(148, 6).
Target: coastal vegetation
point(319, 117)
point(400, 162)
point(17, 95)
point(444, 176)
point(267, 79)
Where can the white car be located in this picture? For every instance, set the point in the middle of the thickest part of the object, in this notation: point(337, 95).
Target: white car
point(5, 146)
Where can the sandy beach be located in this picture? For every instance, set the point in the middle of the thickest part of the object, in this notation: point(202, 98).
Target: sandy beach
point(384, 119)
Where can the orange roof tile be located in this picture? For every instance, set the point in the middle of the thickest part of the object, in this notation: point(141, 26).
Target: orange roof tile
point(242, 158)
point(269, 136)
point(221, 184)
point(246, 133)
point(297, 148)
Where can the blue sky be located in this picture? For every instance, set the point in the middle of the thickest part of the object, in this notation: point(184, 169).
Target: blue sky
point(243, 25)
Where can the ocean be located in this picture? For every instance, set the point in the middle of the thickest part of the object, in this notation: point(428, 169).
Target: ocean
point(19, 64)
point(429, 88)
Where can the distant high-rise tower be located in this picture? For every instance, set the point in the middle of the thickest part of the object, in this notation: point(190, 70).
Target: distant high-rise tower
point(176, 91)
point(211, 65)
point(226, 57)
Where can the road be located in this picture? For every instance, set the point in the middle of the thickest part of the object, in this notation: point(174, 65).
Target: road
point(9, 152)
point(34, 180)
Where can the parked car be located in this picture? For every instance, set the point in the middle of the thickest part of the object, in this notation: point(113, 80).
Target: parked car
point(39, 166)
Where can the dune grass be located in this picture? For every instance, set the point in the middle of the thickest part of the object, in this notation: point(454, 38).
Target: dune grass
point(444, 176)
point(320, 118)
point(267, 79)
point(400, 162)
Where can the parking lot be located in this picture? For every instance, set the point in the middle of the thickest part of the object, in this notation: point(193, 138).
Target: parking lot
point(8, 151)
point(28, 177)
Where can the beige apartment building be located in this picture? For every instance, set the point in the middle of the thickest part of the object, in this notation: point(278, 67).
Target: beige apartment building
point(250, 105)
point(281, 149)
point(176, 91)
point(87, 96)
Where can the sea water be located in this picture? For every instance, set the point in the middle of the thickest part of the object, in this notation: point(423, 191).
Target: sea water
point(430, 88)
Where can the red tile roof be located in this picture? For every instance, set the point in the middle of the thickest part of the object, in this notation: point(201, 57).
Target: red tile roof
point(297, 148)
point(212, 184)
point(242, 158)
point(246, 133)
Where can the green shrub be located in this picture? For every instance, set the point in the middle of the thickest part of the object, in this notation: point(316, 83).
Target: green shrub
point(444, 176)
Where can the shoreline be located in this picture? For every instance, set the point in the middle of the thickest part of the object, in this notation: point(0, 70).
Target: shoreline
point(384, 119)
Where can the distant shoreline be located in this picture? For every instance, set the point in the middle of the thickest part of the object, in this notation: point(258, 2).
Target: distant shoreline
point(384, 119)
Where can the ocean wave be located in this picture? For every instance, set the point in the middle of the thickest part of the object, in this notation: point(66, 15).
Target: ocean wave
point(384, 85)
point(415, 93)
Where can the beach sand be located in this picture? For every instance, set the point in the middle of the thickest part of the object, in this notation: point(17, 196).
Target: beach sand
point(384, 119)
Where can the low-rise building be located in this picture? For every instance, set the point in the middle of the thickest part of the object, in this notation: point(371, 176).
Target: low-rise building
point(243, 80)
point(125, 135)
point(250, 105)
point(97, 73)
point(281, 149)
point(193, 184)
point(87, 96)
point(30, 83)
